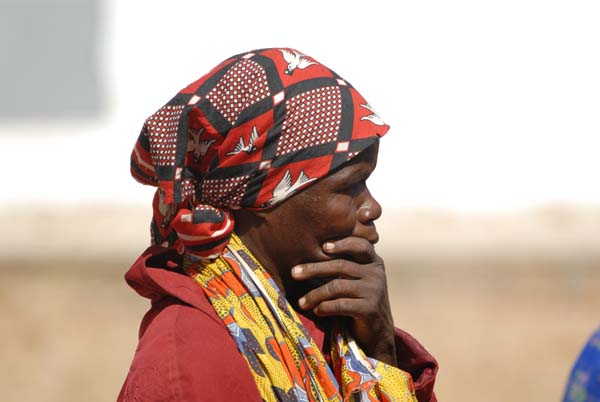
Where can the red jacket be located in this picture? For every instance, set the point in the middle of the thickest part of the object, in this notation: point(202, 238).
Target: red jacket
point(186, 353)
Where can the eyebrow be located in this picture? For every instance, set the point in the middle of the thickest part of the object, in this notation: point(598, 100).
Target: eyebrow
point(356, 174)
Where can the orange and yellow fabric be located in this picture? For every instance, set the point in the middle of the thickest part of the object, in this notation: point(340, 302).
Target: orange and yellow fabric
point(283, 358)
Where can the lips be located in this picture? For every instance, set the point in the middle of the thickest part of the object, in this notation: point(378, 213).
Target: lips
point(367, 231)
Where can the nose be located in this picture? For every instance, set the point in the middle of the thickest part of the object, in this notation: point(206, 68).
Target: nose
point(369, 211)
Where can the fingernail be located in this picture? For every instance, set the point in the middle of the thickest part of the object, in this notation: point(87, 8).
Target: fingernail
point(302, 301)
point(328, 246)
point(297, 271)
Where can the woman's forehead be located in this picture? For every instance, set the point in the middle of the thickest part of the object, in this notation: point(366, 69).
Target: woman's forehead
point(357, 168)
point(366, 159)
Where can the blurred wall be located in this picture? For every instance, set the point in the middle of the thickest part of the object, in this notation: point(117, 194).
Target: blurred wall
point(49, 59)
point(492, 106)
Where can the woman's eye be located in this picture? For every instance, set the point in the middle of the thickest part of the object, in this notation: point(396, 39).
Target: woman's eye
point(352, 189)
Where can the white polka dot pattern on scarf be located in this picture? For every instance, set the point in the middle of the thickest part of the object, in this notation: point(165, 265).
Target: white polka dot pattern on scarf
point(312, 118)
point(224, 192)
point(162, 129)
point(243, 85)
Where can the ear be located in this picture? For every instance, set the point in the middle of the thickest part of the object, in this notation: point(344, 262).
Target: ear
point(247, 218)
point(243, 213)
point(244, 219)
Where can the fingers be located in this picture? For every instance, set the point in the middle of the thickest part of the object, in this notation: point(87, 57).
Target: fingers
point(355, 280)
point(348, 297)
point(358, 249)
point(327, 269)
point(334, 289)
point(339, 307)
point(355, 287)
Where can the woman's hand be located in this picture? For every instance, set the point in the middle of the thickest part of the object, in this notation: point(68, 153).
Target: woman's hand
point(357, 289)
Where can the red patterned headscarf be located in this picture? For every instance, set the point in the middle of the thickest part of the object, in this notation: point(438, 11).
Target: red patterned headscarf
point(256, 129)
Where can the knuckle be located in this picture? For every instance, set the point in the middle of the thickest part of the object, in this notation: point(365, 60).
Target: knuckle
point(333, 307)
point(333, 287)
point(339, 265)
point(327, 288)
point(337, 306)
point(344, 287)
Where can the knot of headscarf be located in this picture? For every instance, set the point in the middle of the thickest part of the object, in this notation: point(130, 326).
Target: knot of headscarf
point(253, 131)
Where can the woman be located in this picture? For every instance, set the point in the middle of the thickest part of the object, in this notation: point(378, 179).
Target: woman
point(263, 277)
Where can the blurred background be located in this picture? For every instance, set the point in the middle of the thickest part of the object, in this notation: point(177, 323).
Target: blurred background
point(488, 178)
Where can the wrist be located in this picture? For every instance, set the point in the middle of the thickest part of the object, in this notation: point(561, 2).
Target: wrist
point(383, 348)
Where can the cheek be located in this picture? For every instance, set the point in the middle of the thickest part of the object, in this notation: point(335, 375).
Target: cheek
point(339, 216)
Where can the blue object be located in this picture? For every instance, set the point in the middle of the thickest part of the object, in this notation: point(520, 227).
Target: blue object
point(584, 383)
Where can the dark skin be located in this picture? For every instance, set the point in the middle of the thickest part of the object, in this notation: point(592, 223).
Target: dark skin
point(318, 246)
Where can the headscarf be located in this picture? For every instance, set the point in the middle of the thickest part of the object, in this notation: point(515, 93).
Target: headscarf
point(249, 134)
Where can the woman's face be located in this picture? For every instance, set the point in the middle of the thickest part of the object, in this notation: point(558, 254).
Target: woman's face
point(339, 205)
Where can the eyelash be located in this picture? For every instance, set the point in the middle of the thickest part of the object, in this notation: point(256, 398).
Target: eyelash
point(353, 189)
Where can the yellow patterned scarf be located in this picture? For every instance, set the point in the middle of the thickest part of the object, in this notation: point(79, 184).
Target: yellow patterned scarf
point(283, 358)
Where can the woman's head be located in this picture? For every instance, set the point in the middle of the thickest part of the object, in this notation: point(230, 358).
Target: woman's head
point(258, 128)
point(339, 205)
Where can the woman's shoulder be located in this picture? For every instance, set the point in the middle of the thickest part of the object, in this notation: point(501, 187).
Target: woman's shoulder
point(184, 348)
point(182, 353)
